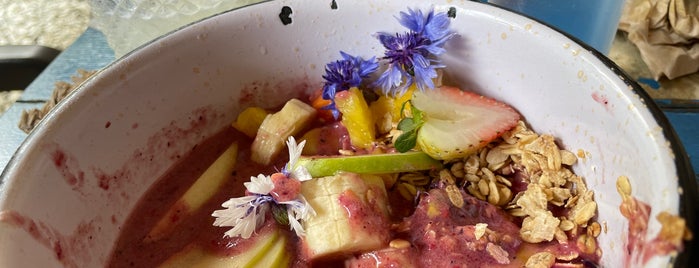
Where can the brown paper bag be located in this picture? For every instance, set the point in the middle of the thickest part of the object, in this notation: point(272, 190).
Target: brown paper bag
point(666, 33)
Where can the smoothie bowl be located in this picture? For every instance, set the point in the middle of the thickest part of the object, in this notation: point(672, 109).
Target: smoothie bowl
point(293, 133)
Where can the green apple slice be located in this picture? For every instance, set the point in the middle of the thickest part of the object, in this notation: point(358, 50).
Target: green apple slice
point(319, 166)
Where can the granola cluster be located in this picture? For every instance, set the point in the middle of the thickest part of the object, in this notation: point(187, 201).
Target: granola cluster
point(526, 174)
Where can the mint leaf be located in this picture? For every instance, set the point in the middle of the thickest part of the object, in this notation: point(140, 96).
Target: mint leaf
point(406, 141)
point(406, 124)
point(417, 116)
point(409, 125)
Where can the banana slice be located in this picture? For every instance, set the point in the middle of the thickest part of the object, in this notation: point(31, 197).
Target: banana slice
point(271, 138)
point(351, 215)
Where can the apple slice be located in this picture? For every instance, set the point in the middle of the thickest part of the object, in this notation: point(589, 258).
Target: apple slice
point(269, 250)
point(201, 191)
point(457, 123)
point(321, 166)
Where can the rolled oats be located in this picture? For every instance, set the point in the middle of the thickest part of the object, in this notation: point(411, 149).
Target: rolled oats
point(541, 260)
point(483, 187)
point(498, 253)
point(587, 244)
point(480, 229)
point(566, 225)
point(457, 169)
point(539, 228)
point(594, 229)
point(494, 194)
point(399, 243)
point(537, 162)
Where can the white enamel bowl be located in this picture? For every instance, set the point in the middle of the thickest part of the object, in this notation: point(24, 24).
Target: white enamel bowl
point(72, 184)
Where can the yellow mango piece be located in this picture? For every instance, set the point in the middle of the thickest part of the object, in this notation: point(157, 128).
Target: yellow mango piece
point(201, 191)
point(382, 114)
point(356, 117)
point(398, 103)
point(312, 138)
point(249, 120)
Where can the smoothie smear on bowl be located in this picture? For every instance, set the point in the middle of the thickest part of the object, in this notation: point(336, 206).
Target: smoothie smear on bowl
point(385, 166)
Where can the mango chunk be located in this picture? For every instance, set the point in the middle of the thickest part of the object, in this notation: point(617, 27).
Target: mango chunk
point(356, 117)
point(249, 120)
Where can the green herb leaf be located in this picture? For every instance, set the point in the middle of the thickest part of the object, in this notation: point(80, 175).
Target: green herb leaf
point(280, 215)
point(406, 141)
point(406, 124)
point(410, 126)
point(417, 116)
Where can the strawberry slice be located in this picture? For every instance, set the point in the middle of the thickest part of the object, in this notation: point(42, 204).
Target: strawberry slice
point(457, 123)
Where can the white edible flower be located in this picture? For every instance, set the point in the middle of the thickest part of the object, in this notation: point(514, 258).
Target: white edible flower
point(260, 185)
point(243, 214)
point(298, 210)
point(300, 173)
point(246, 213)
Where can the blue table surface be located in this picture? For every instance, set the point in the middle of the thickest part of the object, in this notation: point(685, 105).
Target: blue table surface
point(91, 52)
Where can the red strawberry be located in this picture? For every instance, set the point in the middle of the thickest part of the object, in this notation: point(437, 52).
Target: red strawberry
point(458, 123)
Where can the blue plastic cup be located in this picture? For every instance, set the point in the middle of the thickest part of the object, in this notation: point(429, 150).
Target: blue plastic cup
point(594, 22)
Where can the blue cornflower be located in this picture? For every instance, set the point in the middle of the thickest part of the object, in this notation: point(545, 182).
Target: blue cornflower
point(412, 55)
point(344, 74)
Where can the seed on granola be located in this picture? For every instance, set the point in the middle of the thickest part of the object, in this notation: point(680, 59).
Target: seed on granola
point(480, 229)
point(568, 158)
point(457, 169)
point(472, 178)
point(505, 195)
point(587, 244)
point(498, 253)
point(454, 194)
point(503, 180)
point(399, 243)
point(566, 225)
point(517, 212)
point(594, 229)
point(567, 257)
point(415, 178)
point(584, 213)
point(473, 190)
point(406, 190)
point(494, 195)
point(472, 164)
point(496, 155)
point(623, 186)
point(483, 187)
point(446, 177)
